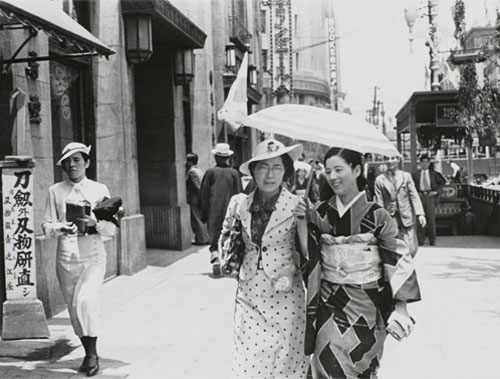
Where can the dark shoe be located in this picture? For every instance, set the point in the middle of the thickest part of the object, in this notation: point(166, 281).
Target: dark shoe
point(432, 243)
point(216, 269)
point(85, 365)
point(201, 243)
point(93, 365)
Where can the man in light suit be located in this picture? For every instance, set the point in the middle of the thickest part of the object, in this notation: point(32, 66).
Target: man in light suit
point(396, 192)
point(429, 184)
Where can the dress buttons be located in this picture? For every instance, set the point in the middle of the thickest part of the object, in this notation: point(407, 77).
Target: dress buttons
point(264, 249)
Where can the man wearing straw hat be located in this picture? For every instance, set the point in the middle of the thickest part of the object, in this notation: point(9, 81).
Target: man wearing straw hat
point(219, 184)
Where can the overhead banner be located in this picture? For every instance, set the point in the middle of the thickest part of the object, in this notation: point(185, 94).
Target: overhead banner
point(281, 47)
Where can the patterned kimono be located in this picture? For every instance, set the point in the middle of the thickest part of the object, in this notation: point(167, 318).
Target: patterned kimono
point(356, 269)
point(269, 326)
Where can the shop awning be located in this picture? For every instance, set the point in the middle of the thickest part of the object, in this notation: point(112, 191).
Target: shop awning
point(47, 16)
point(169, 24)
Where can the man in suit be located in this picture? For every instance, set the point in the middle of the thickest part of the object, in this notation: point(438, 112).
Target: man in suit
point(194, 177)
point(429, 184)
point(396, 192)
point(219, 184)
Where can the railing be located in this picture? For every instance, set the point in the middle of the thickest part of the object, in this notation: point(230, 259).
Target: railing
point(485, 194)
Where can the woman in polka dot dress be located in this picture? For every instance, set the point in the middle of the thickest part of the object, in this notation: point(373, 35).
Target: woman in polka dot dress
point(269, 319)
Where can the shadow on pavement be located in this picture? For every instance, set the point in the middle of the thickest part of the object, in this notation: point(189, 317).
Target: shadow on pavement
point(469, 269)
point(467, 242)
point(36, 350)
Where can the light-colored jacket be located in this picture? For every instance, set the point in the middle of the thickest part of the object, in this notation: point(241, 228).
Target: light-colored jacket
point(404, 195)
point(279, 255)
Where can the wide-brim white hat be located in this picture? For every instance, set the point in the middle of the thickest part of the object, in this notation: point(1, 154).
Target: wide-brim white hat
point(271, 148)
point(73, 148)
point(222, 150)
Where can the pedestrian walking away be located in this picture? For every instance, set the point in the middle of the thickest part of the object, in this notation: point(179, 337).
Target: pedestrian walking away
point(194, 177)
point(395, 191)
point(429, 184)
point(81, 258)
point(269, 318)
point(359, 275)
point(219, 184)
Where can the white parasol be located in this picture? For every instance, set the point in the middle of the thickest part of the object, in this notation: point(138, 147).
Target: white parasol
point(323, 126)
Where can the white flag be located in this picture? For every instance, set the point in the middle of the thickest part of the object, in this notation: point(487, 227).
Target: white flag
point(234, 110)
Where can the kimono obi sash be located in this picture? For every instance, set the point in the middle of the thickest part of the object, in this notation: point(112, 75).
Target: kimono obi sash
point(351, 260)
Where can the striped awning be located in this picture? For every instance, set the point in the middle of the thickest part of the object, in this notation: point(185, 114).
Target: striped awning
point(47, 16)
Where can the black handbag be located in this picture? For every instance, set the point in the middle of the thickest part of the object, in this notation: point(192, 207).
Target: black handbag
point(235, 249)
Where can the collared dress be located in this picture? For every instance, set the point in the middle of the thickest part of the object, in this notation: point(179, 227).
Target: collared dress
point(269, 326)
point(357, 268)
point(81, 259)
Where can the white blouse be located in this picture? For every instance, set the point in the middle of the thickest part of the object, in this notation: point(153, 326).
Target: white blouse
point(55, 214)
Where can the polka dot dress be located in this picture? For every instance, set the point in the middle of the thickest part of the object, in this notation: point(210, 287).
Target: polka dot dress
point(269, 325)
point(269, 330)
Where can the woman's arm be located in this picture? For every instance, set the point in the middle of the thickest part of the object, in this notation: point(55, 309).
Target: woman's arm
point(51, 225)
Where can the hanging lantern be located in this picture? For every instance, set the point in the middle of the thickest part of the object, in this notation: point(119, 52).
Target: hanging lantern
point(138, 38)
point(252, 74)
point(231, 56)
point(184, 66)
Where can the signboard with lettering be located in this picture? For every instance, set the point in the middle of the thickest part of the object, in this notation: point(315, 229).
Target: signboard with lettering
point(281, 46)
point(18, 233)
point(332, 53)
point(446, 115)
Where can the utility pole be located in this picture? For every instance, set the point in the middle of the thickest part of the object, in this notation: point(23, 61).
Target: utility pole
point(433, 45)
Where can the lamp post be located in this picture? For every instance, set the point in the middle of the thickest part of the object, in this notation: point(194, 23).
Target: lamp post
point(411, 15)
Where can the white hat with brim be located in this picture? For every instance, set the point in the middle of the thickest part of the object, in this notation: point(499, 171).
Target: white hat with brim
point(73, 148)
point(222, 150)
point(271, 148)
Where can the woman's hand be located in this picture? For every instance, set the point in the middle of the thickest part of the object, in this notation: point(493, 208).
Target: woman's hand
point(301, 209)
point(69, 228)
point(422, 220)
point(400, 323)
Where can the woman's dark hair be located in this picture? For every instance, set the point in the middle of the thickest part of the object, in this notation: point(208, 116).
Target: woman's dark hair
point(85, 157)
point(287, 163)
point(353, 159)
point(192, 158)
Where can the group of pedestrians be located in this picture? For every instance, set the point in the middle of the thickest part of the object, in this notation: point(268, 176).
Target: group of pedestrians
point(359, 275)
point(353, 256)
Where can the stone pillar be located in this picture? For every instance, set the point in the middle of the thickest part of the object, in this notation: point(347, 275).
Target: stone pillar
point(23, 314)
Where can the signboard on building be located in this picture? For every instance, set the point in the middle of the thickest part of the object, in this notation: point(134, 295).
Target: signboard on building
point(332, 54)
point(446, 115)
point(18, 233)
point(281, 46)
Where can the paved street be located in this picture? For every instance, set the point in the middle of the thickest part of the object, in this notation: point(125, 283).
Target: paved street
point(175, 321)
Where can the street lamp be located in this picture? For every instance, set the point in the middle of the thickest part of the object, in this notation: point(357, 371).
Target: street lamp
point(231, 56)
point(411, 15)
point(252, 74)
point(184, 71)
point(138, 38)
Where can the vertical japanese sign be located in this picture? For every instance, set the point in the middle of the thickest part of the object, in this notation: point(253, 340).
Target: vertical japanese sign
point(18, 233)
point(281, 46)
point(332, 53)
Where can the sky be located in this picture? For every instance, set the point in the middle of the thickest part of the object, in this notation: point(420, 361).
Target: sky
point(375, 50)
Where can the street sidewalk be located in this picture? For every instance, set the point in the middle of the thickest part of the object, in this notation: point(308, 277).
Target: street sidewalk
point(174, 320)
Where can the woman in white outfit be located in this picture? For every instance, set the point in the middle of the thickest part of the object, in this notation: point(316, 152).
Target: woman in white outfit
point(81, 258)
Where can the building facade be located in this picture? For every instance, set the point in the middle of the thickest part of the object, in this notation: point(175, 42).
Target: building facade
point(148, 97)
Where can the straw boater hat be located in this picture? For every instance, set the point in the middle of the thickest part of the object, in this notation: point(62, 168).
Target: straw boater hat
point(222, 150)
point(72, 148)
point(271, 148)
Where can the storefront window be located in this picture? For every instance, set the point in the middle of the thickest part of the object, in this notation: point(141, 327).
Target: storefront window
point(68, 109)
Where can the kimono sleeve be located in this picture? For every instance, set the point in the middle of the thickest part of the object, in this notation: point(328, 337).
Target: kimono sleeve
point(398, 267)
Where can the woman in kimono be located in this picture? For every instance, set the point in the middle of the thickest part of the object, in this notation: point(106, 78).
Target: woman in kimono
point(360, 276)
point(269, 318)
point(81, 258)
